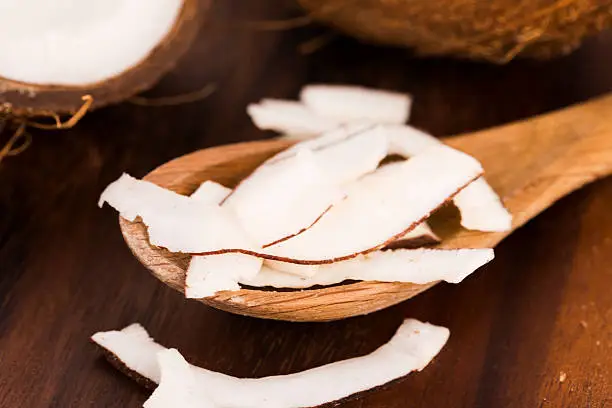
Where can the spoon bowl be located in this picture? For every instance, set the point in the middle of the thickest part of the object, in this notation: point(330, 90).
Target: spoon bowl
point(530, 164)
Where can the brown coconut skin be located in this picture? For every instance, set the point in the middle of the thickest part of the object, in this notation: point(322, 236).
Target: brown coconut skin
point(26, 100)
point(492, 30)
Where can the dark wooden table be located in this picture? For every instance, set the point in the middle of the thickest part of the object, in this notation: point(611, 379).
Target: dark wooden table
point(543, 308)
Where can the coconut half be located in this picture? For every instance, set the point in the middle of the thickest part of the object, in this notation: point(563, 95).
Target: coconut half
point(419, 266)
point(55, 52)
point(412, 347)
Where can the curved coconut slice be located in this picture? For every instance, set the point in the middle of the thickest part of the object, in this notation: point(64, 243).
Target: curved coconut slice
point(54, 52)
point(381, 206)
point(174, 221)
point(178, 386)
point(418, 266)
point(346, 103)
point(289, 117)
point(211, 192)
point(207, 275)
point(480, 207)
point(290, 192)
point(412, 347)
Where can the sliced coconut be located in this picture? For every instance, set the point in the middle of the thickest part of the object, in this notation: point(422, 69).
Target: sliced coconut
point(291, 191)
point(207, 275)
point(481, 208)
point(346, 103)
point(178, 386)
point(418, 266)
point(412, 347)
point(211, 192)
point(54, 52)
point(381, 206)
point(289, 117)
point(174, 221)
point(421, 235)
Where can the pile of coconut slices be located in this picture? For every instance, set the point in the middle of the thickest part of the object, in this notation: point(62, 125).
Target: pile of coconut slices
point(332, 207)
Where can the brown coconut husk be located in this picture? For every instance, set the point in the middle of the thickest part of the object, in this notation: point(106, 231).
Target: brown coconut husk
point(493, 30)
point(18, 99)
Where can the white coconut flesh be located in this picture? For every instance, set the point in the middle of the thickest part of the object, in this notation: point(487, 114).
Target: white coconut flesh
point(208, 275)
point(289, 193)
point(419, 266)
point(382, 206)
point(480, 207)
point(353, 103)
point(80, 42)
point(211, 192)
point(174, 221)
point(289, 117)
point(386, 196)
point(412, 348)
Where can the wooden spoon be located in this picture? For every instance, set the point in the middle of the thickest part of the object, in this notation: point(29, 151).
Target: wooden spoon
point(531, 164)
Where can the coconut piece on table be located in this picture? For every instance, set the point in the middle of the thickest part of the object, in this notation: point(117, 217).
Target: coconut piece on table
point(178, 386)
point(347, 103)
point(53, 55)
point(412, 347)
point(480, 207)
point(174, 221)
point(289, 192)
point(289, 117)
point(211, 192)
point(419, 266)
point(382, 206)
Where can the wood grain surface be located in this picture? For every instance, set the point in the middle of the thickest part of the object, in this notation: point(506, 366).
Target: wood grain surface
point(542, 312)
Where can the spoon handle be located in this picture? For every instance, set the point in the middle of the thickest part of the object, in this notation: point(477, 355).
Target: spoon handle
point(535, 162)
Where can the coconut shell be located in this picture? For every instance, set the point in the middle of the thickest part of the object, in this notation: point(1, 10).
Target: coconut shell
point(25, 99)
point(493, 30)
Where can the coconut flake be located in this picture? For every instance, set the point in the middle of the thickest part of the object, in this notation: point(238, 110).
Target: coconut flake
point(417, 266)
point(291, 191)
point(207, 275)
point(381, 206)
point(178, 386)
point(347, 103)
point(481, 208)
point(174, 221)
point(80, 42)
point(412, 347)
point(289, 117)
point(210, 192)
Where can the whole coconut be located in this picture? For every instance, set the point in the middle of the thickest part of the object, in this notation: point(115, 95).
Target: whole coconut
point(493, 30)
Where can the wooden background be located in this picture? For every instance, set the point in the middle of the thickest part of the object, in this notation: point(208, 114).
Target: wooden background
point(543, 308)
